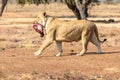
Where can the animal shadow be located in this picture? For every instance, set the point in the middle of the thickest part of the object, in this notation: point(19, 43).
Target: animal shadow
point(103, 52)
point(94, 53)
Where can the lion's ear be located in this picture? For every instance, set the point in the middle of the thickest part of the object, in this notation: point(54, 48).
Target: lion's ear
point(44, 14)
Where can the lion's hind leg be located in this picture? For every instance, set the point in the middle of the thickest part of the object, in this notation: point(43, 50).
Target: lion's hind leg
point(59, 46)
point(95, 41)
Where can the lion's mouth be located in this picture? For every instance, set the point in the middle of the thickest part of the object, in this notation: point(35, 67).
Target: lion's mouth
point(39, 28)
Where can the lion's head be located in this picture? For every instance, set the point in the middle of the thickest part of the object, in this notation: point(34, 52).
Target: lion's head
point(40, 23)
point(41, 19)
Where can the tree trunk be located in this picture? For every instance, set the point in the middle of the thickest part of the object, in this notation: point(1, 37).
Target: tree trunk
point(75, 11)
point(4, 2)
point(81, 6)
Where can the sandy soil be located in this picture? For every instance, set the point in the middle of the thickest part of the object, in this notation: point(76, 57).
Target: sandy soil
point(17, 45)
point(18, 42)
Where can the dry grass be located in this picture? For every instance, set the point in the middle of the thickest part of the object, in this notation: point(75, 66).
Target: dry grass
point(54, 76)
point(105, 10)
point(33, 10)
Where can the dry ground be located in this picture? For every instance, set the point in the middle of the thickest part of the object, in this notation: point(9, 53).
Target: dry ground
point(18, 42)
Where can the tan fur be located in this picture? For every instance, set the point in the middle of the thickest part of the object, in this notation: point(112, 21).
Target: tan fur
point(68, 31)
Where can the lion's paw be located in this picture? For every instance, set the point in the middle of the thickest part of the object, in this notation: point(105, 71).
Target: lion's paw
point(37, 53)
point(79, 54)
point(58, 55)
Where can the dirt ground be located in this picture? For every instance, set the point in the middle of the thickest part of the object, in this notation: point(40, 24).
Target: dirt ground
point(18, 44)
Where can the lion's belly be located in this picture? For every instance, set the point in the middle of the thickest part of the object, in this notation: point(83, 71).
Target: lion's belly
point(65, 39)
point(70, 36)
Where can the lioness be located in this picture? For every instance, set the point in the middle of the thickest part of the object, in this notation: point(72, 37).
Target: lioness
point(67, 31)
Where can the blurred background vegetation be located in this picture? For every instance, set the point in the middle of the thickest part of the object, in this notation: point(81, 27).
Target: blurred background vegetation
point(78, 7)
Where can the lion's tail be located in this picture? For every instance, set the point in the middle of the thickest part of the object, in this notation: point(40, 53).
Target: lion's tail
point(97, 35)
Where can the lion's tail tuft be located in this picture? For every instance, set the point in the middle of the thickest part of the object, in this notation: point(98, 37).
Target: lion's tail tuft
point(103, 40)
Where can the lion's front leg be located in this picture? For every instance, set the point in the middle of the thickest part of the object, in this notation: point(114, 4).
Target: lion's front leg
point(84, 45)
point(45, 44)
